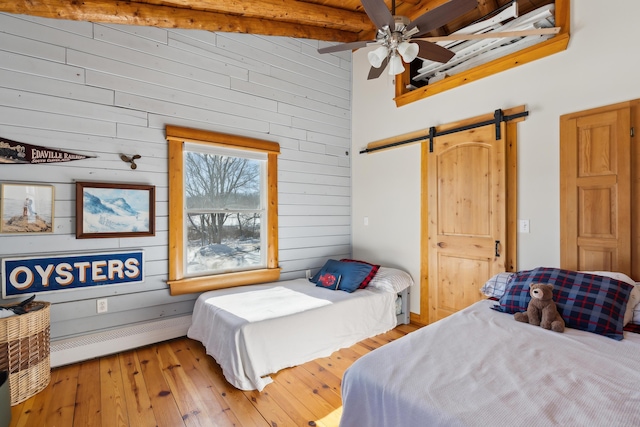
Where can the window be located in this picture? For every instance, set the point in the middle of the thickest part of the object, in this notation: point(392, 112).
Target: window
point(555, 44)
point(223, 224)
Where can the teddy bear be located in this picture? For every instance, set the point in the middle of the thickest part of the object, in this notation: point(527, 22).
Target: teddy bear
point(542, 311)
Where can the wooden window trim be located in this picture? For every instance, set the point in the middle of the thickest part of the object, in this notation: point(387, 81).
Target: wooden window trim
point(555, 44)
point(178, 283)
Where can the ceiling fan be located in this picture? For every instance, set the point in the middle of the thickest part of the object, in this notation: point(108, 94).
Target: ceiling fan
point(399, 37)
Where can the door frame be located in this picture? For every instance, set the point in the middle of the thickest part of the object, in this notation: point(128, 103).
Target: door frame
point(511, 156)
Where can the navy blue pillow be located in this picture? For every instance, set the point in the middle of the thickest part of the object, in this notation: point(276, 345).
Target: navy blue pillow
point(347, 276)
point(588, 302)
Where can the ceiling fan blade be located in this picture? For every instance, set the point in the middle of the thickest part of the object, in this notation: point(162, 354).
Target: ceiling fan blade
point(378, 13)
point(345, 46)
point(441, 15)
point(374, 72)
point(432, 51)
point(496, 35)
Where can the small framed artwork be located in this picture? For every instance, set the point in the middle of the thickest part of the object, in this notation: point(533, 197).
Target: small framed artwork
point(114, 210)
point(26, 208)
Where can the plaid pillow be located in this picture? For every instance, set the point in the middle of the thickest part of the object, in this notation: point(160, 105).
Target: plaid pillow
point(585, 301)
point(371, 275)
point(496, 286)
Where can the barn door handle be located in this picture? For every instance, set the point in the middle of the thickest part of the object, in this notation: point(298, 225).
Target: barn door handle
point(497, 248)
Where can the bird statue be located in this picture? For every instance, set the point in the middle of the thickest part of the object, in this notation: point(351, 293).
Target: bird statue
point(131, 159)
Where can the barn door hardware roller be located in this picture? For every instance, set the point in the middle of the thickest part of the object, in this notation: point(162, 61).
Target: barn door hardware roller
point(498, 118)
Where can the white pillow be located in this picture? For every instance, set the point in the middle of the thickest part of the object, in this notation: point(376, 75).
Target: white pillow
point(391, 280)
point(632, 313)
point(634, 296)
point(497, 285)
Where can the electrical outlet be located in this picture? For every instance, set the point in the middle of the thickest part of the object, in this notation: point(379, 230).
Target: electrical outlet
point(307, 274)
point(102, 306)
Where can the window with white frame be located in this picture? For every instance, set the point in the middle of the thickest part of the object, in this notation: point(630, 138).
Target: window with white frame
point(222, 210)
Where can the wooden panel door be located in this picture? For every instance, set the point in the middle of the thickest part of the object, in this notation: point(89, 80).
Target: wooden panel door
point(595, 185)
point(467, 217)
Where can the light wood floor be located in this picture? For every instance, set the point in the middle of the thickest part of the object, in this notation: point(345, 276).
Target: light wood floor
point(176, 384)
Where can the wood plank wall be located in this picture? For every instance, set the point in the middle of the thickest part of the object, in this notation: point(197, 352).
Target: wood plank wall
point(106, 89)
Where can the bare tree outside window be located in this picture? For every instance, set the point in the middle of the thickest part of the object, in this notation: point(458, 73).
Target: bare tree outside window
point(224, 212)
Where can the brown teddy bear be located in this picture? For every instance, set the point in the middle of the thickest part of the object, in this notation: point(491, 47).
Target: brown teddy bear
point(542, 311)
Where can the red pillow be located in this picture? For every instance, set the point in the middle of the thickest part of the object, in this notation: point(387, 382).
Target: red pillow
point(374, 270)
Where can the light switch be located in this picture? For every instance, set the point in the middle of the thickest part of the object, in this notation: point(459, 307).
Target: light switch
point(366, 220)
point(524, 226)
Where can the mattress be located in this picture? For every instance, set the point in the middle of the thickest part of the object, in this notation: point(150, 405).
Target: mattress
point(257, 330)
point(480, 367)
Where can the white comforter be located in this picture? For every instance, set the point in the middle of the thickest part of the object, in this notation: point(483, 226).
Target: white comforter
point(253, 331)
point(480, 367)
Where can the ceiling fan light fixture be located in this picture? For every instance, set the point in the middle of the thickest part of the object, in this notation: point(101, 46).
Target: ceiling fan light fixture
point(395, 65)
point(378, 55)
point(408, 51)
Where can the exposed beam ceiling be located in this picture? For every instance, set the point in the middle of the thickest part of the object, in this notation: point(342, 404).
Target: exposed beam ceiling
point(328, 20)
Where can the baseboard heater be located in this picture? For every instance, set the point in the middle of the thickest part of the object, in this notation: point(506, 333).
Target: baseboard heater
point(85, 347)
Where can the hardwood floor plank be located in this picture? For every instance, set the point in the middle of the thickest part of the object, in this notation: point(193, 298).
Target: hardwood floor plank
point(282, 394)
point(135, 392)
point(87, 396)
point(273, 413)
point(196, 404)
point(64, 388)
point(205, 379)
point(317, 386)
point(407, 328)
point(319, 392)
point(17, 411)
point(308, 397)
point(36, 414)
point(333, 379)
point(112, 398)
point(164, 405)
point(175, 384)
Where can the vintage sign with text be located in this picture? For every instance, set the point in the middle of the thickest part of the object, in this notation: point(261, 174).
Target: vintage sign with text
point(12, 152)
point(28, 275)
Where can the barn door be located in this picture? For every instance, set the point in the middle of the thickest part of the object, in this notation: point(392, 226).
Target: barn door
point(467, 217)
point(595, 190)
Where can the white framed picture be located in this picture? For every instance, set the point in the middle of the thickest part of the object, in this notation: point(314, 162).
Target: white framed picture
point(26, 208)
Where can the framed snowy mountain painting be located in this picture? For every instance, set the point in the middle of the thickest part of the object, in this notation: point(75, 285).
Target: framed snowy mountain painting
point(114, 210)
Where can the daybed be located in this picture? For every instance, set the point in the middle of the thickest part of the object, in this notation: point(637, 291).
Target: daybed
point(253, 331)
point(480, 367)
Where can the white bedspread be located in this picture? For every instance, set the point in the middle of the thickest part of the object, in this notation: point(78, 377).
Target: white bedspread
point(253, 331)
point(480, 367)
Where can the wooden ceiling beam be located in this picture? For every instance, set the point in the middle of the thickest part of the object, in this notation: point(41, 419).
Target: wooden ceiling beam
point(421, 8)
point(132, 13)
point(294, 11)
point(487, 6)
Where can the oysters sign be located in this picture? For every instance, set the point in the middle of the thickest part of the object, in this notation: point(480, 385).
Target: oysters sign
point(28, 275)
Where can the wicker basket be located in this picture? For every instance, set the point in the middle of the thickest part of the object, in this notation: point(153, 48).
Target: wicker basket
point(24, 351)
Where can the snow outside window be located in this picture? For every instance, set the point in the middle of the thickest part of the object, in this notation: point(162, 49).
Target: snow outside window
point(225, 204)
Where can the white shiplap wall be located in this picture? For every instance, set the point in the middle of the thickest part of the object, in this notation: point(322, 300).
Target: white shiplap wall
point(102, 90)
